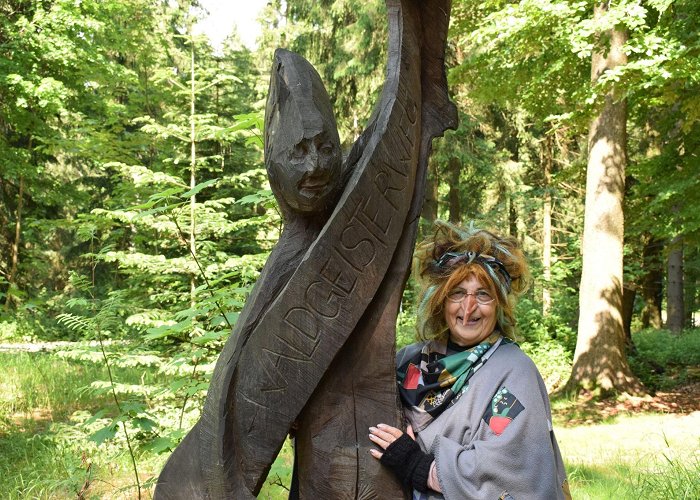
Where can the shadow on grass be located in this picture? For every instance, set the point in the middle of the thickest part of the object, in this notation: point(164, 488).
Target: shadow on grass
point(591, 408)
point(586, 409)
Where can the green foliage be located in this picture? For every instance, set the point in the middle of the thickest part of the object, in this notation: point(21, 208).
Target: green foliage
point(535, 328)
point(46, 418)
point(276, 486)
point(663, 360)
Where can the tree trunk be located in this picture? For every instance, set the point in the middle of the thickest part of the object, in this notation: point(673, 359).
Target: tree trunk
point(691, 280)
point(430, 204)
point(193, 171)
point(600, 361)
point(652, 283)
point(674, 291)
point(628, 296)
point(547, 155)
point(454, 166)
point(14, 259)
point(512, 216)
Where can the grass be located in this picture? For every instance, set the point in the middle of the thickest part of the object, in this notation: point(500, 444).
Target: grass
point(646, 456)
point(47, 407)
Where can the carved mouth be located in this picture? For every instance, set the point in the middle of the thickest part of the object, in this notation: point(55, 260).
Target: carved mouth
point(313, 183)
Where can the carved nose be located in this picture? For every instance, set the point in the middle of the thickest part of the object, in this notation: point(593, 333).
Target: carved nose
point(311, 164)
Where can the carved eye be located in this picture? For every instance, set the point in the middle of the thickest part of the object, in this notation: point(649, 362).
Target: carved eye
point(326, 149)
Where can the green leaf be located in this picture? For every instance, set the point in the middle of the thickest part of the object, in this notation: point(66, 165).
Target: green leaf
point(144, 423)
point(198, 188)
point(210, 337)
point(106, 433)
point(160, 445)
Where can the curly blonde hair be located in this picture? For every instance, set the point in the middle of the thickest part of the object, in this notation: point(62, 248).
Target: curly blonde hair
point(454, 254)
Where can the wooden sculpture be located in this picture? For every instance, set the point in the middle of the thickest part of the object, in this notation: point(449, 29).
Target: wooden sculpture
point(314, 343)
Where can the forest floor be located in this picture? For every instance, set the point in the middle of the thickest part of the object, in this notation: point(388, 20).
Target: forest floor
point(587, 409)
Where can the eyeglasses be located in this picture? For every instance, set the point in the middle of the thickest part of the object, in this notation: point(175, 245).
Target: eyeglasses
point(481, 296)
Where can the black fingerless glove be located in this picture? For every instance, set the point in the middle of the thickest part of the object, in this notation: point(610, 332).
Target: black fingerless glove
point(406, 460)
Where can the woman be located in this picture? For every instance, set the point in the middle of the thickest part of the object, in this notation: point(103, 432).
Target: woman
point(476, 429)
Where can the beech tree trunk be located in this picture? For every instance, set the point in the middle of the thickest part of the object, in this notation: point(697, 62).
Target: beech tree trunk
point(674, 291)
point(652, 283)
point(600, 360)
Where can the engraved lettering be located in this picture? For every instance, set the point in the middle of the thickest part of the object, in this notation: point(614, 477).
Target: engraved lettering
point(323, 299)
point(303, 321)
point(338, 276)
point(375, 213)
point(271, 379)
point(363, 249)
point(345, 259)
point(382, 181)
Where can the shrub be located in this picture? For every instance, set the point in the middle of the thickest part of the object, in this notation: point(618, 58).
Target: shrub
point(662, 360)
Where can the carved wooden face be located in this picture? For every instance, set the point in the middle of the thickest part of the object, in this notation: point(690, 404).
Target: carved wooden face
point(305, 173)
point(302, 147)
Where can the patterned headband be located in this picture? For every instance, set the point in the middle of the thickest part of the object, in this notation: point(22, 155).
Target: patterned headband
point(450, 259)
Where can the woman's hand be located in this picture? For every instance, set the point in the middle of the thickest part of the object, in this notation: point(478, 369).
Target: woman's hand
point(402, 455)
point(383, 435)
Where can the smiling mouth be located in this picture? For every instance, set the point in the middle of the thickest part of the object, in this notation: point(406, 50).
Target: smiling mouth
point(313, 183)
point(460, 320)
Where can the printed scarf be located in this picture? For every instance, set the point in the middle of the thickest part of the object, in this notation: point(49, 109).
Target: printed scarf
point(431, 381)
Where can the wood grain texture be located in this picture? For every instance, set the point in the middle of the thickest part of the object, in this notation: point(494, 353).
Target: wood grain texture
point(331, 279)
point(359, 390)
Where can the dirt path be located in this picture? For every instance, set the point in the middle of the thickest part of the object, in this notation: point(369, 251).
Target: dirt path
point(48, 346)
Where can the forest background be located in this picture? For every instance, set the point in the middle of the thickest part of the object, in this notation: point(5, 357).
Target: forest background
point(135, 212)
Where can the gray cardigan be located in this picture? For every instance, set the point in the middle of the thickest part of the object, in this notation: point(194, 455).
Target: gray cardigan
point(472, 461)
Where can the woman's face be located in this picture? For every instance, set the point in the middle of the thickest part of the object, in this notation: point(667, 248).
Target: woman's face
point(470, 322)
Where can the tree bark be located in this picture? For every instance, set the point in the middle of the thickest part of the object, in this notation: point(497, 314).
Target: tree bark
point(691, 280)
point(599, 360)
point(14, 259)
point(652, 283)
point(628, 296)
point(674, 291)
point(547, 155)
point(193, 170)
point(454, 166)
point(430, 204)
